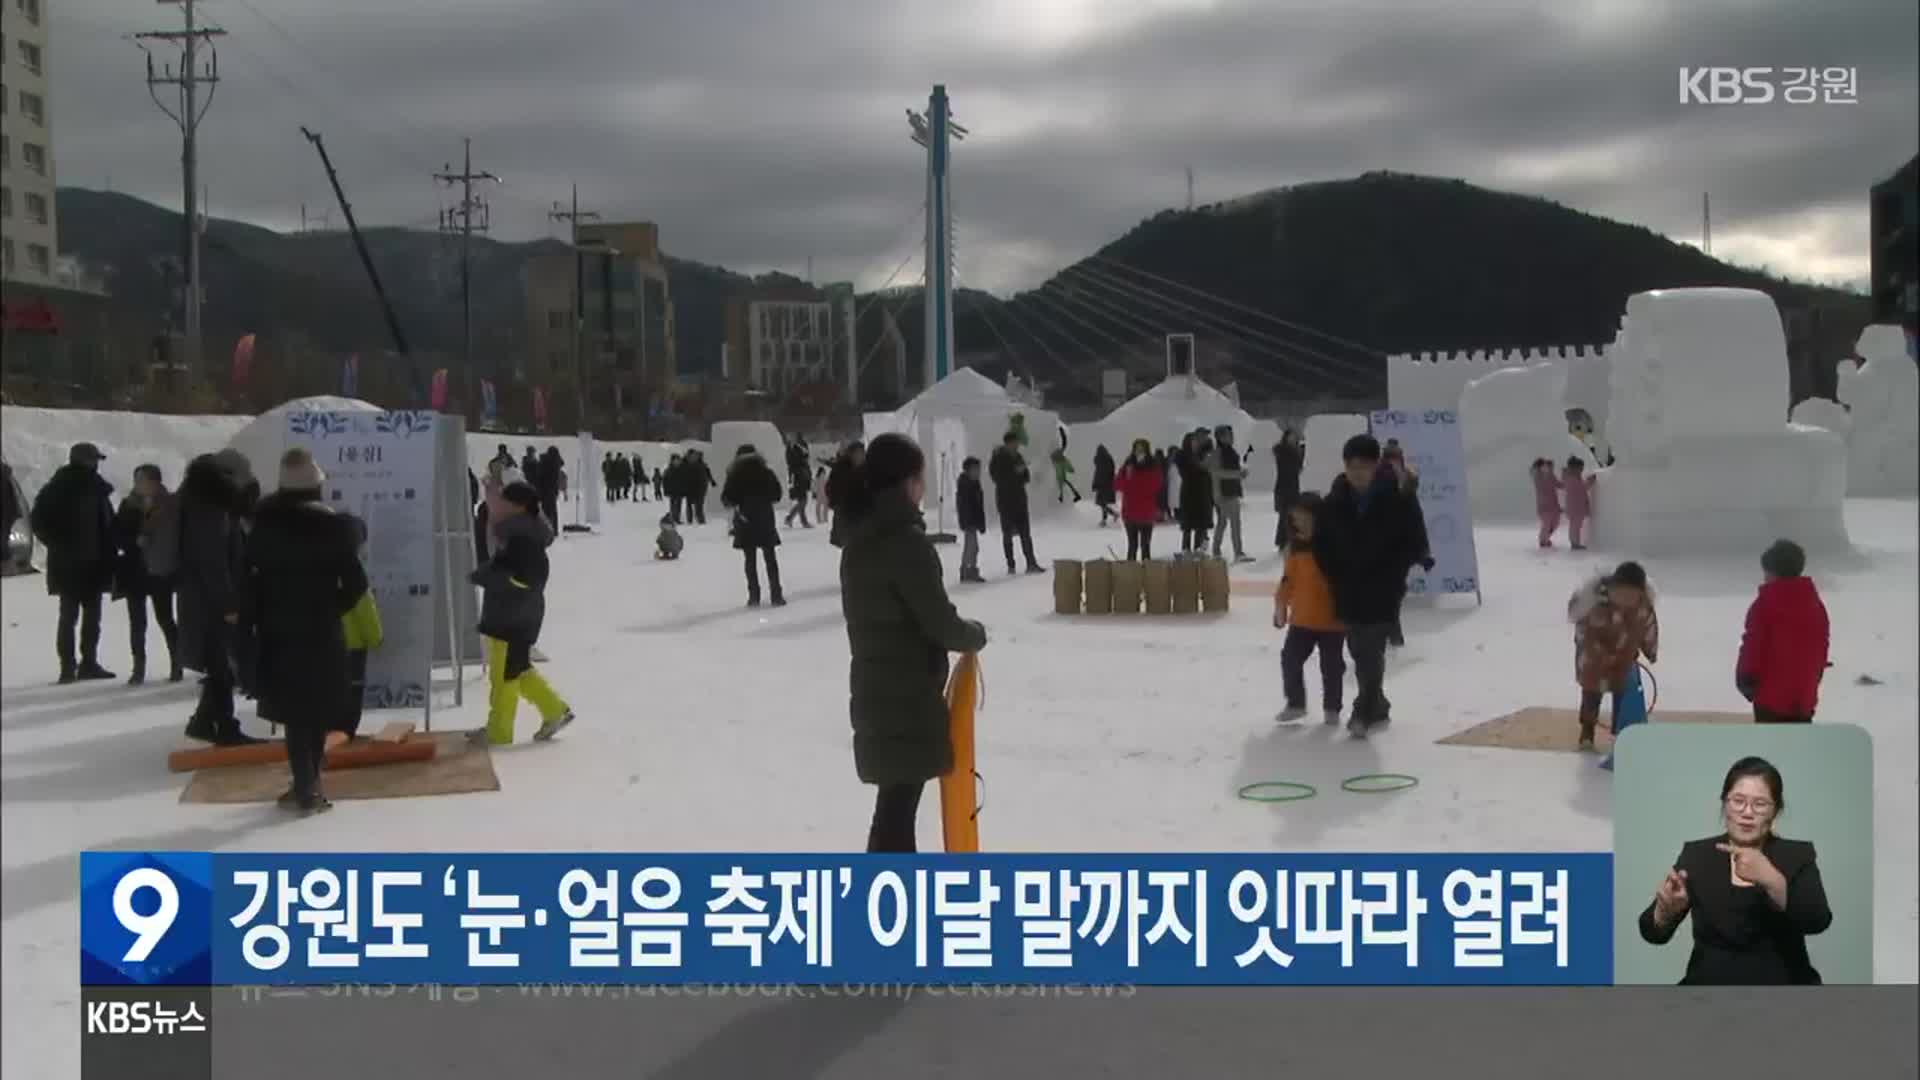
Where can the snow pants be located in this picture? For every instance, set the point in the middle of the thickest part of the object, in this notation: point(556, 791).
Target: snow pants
point(504, 694)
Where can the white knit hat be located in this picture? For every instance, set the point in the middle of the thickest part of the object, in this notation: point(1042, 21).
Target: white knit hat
point(299, 472)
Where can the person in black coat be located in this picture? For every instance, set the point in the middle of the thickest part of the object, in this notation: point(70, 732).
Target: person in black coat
point(1164, 501)
point(1193, 462)
point(211, 565)
point(530, 468)
point(799, 481)
point(1367, 536)
point(1104, 470)
point(1010, 475)
point(552, 466)
point(840, 487)
point(900, 629)
point(303, 576)
point(751, 491)
point(73, 517)
point(1289, 458)
point(700, 481)
point(672, 483)
point(148, 508)
point(971, 503)
point(1754, 896)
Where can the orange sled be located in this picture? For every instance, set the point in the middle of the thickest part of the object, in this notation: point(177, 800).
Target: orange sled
point(959, 809)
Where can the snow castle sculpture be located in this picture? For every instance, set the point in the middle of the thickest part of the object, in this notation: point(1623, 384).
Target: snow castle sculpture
point(1882, 396)
point(1705, 460)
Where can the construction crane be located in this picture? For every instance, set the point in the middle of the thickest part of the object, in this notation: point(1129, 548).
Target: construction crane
point(366, 262)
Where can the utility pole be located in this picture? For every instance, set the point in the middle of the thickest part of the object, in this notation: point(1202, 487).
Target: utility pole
point(186, 80)
point(1189, 188)
point(1706, 222)
point(469, 215)
point(573, 216)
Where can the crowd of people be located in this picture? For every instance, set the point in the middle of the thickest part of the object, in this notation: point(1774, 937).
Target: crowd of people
point(272, 600)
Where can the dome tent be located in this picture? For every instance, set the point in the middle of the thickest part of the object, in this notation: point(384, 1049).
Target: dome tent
point(264, 440)
point(1165, 413)
point(984, 410)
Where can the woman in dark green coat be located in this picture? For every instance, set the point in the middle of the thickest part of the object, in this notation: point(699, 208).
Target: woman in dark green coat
point(901, 628)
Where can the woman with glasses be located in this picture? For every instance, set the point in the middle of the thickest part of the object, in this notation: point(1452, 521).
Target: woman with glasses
point(1754, 896)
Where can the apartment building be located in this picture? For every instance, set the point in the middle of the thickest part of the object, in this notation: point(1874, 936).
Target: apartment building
point(29, 236)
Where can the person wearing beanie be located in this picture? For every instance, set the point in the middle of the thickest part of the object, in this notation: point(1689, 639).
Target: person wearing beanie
point(511, 613)
point(901, 627)
point(73, 519)
point(752, 492)
point(1615, 624)
point(1367, 536)
point(970, 500)
point(1783, 653)
point(303, 578)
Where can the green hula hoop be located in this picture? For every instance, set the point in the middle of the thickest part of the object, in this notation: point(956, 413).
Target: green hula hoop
point(1379, 783)
point(1274, 791)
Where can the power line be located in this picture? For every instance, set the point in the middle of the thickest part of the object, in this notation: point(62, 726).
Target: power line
point(187, 79)
point(462, 219)
point(1255, 312)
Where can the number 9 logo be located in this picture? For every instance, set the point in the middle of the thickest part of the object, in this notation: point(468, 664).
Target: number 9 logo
point(147, 930)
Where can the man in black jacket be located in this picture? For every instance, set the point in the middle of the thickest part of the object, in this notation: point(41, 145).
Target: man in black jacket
point(700, 480)
point(1367, 537)
point(751, 492)
point(1289, 458)
point(841, 477)
point(1010, 476)
point(212, 566)
point(799, 481)
point(548, 484)
point(971, 502)
point(73, 517)
point(303, 576)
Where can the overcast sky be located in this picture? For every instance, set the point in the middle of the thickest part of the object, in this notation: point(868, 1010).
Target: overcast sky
point(760, 133)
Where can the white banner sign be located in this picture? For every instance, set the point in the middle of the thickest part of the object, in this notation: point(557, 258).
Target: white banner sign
point(1432, 443)
point(588, 479)
point(380, 467)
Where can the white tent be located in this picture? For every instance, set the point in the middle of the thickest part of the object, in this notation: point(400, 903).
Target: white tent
point(1163, 415)
point(970, 404)
point(264, 439)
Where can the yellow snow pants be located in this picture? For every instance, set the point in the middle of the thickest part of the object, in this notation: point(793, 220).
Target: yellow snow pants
point(504, 694)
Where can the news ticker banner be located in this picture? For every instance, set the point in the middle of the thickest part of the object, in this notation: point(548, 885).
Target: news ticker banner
point(193, 919)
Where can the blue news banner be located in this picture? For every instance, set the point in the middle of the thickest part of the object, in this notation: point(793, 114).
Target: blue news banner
point(196, 919)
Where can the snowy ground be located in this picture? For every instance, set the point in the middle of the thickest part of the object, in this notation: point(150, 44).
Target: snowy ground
point(709, 727)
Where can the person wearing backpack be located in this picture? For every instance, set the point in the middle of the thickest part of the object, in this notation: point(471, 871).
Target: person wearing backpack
point(146, 518)
point(209, 545)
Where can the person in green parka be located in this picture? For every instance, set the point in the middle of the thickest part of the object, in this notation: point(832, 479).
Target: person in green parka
point(1063, 475)
point(900, 628)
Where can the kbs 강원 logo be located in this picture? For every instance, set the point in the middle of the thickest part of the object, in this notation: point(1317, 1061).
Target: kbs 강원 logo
point(145, 919)
point(1761, 85)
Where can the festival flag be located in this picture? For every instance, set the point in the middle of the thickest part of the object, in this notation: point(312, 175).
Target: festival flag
point(350, 375)
point(243, 360)
point(489, 403)
point(438, 401)
point(540, 408)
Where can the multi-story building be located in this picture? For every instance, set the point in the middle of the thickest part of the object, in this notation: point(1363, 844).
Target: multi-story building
point(1895, 216)
point(626, 327)
point(787, 338)
point(29, 238)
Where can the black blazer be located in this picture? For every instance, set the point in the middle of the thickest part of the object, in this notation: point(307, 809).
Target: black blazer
point(1739, 938)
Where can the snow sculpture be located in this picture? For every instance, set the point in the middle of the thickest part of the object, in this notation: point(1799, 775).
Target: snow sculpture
point(1326, 436)
point(1705, 461)
point(1883, 394)
point(1507, 419)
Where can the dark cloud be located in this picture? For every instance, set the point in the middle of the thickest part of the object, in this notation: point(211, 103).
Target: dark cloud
point(762, 132)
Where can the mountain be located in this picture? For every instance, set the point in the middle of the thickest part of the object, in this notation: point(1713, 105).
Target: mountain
point(1381, 264)
point(1298, 292)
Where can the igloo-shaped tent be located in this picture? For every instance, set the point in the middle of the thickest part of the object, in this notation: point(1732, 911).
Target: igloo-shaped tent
point(984, 410)
point(1165, 413)
point(264, 439)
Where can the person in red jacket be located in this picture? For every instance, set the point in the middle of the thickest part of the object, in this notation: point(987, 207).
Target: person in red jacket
point(1784, 652)
point(1139, 483)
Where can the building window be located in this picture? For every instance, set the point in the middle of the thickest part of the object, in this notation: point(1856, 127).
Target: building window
point(40, 258)
point(6, 151)
point(557, 319)
point(6, 253)
point(35, 156)
point(6, 202)
point(36, 208)
point(30, 10)
point(33, 108)
point(30, 56)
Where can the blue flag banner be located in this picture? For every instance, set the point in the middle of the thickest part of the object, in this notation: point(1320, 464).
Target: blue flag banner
point(245, 919)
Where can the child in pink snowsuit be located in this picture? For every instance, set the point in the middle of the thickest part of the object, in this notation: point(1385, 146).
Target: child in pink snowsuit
point(1546, 500)
point(1579, 488)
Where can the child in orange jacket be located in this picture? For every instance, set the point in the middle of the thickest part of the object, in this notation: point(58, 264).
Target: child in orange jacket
point(1303, 607)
